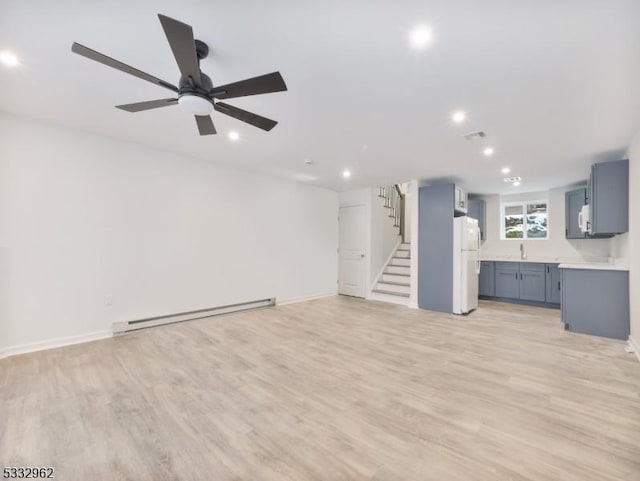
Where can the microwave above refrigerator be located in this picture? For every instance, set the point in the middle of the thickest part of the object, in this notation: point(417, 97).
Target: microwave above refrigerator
point(583, 219)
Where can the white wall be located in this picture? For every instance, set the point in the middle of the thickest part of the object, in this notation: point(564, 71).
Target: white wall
point(84, 217)
point(355, 197)
point(408, 215)
point(557, 246)
point(413, 200)
point(629, 243)
point(384, 236)
point(4, 297)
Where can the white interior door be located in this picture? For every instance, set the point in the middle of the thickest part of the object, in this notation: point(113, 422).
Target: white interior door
point(351, 249)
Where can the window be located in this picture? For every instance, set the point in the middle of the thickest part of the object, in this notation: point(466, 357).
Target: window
point(525, 220)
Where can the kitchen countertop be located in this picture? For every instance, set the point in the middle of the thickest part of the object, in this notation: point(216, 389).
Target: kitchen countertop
point(541, 260)
point(600, 266)
point(564, 263)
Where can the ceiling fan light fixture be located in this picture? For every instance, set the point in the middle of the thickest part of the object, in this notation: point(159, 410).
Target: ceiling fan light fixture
point(195, 91)
point(195, 105)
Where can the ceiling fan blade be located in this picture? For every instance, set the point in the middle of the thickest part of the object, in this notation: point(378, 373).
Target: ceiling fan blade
point(205, 125)
point(248, 117)
point(183, 46)
point(264, 84)
point(123, 67)
point(151, 104)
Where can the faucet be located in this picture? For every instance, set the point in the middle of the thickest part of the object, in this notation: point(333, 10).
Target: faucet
point(523, 256)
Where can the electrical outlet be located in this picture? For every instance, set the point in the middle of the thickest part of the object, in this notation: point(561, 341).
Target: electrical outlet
point(108, 300)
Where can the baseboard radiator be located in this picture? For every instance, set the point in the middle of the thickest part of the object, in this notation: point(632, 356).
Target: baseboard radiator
point(127, 326)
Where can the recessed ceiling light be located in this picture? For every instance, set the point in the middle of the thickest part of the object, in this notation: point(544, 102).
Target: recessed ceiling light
point(346, 173)
point(233, 135)
point(488, 151)
point(516, 183)
point(420, 37)
point(505, 170)
point(458, 117)
point(9, 59)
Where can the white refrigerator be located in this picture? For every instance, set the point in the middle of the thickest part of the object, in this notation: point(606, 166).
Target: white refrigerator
point(466, 264)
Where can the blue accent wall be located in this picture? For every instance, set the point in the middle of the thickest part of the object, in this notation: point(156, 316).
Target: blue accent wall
point(435, 247)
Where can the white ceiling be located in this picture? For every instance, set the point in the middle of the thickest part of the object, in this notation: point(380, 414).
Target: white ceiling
point(555, 84)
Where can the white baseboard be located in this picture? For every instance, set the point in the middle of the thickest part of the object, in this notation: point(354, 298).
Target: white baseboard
point(105, 334)
point(53, 343)
point(634, 346)
point(295, 300)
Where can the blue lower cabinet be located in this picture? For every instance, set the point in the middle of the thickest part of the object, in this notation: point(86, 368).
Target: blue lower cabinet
point(532, 282)
point(553, 282)
point(487, 279)
point(507, 280)
point(596, 302)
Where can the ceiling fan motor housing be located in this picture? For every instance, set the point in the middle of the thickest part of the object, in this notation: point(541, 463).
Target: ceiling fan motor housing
point(195, 99)
point(202, 49)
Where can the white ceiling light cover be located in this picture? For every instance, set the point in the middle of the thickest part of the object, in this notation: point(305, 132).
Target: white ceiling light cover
point(195, 105)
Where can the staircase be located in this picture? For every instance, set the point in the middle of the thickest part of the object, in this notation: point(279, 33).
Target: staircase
point(394, 285)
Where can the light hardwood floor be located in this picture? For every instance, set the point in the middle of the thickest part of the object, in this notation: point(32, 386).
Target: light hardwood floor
point(332, 389)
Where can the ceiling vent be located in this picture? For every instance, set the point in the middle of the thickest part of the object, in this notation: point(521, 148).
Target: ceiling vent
point(475, 135)
point(511, 180)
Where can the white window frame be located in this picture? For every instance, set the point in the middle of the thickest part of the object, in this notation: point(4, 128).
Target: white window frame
point(524, 204)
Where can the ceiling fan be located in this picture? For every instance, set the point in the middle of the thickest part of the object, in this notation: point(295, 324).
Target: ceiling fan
point(196, 93)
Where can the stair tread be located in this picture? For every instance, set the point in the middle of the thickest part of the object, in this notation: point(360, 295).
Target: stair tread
point(391, 293)
point(394, 283)
point(395, 274)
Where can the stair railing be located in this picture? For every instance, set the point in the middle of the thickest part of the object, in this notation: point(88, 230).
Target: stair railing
point(394, 200)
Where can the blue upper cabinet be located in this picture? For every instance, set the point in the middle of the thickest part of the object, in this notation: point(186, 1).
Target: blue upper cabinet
point(477, 208)
point(608, 199)
point(573, 202)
